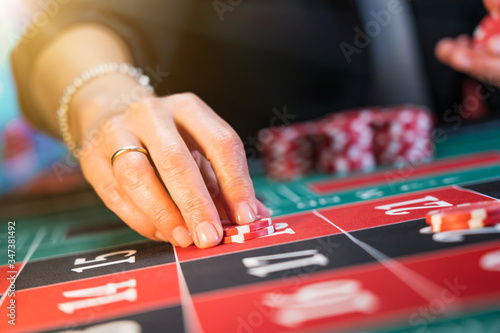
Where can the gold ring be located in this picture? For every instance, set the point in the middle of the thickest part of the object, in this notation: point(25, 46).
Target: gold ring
point(128, 149)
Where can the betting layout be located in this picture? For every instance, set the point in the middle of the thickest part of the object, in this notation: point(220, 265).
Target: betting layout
point(359, 264)
point(356, 255)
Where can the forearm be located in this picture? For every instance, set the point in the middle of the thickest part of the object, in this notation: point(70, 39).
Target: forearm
point(65, 58)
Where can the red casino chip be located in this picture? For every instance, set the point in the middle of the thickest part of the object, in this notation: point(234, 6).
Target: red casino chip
point(287, 151)
point(487, 28)
point(356, 160)
point(246, 228)
point(464, 224)
point(396, 152)
point(479, 211)
point(249, 235)
point(403, 135)
point(349, 141)
point(344, 142)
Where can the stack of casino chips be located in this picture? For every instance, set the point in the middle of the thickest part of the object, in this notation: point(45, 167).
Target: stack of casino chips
point(344, 142)
point(403, 135)
point(347, 141)
point(466, 216)
point(241, 233)
point(288, 150)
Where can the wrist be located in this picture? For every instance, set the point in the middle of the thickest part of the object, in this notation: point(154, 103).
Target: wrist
point(101, 97)
point(98, 94)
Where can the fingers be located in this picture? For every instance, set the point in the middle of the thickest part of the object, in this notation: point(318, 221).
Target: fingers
point(211, 182)
point(444, 49)
point(481, 65)
point(97, 171)
point(138, 179)
point(446, 46)
point(182, 177)
point(464, 58)
point(464, 40)
point(222, 147)
point(202, 187)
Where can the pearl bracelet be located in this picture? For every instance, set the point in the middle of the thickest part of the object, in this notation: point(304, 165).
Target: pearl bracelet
point(89, 75)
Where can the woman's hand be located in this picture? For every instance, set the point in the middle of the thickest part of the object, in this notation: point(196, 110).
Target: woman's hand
point(459, 54)
point(194, 154)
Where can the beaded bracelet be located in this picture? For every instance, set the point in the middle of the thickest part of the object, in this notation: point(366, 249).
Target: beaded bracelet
point(78, 82)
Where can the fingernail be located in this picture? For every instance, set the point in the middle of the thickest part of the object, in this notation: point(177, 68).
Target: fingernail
point(245, 213)
point(160, 236)
point(182, 236)
point(461, 60)
point(207, 235)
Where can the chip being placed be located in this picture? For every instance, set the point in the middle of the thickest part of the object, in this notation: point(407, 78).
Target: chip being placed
point(231, 230)
point(241, 238)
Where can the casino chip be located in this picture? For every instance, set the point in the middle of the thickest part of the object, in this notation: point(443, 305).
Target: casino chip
point(287, 151)
point(344, 142)
point(245, 228)
point(403, 135)
point(467, 216)
point(240, 233)
point(465, 224)
point(241, 238)
point(487, 28)
point(348, 141)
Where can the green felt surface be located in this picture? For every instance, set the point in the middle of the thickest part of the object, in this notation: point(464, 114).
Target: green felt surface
point(487, 322)
point(282, 198)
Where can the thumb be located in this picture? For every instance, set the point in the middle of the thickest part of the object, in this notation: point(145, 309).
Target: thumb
point(492, 5)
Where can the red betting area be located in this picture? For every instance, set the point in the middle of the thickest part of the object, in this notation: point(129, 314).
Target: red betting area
point(349, 217)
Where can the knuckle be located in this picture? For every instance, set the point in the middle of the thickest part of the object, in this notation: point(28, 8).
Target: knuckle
point(161, 218)
point(185, 99)
point(164, 221)
point(146, 107)
point(228, 143)
point(115, 124)
point(239, 185)
point(198, 208)
point(187, 96)
point(110, 194)
point(172, 160)
point(239, 189)
point(131, 167)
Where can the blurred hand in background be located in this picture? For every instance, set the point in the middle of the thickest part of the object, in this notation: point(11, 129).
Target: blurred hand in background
point(482, 63)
